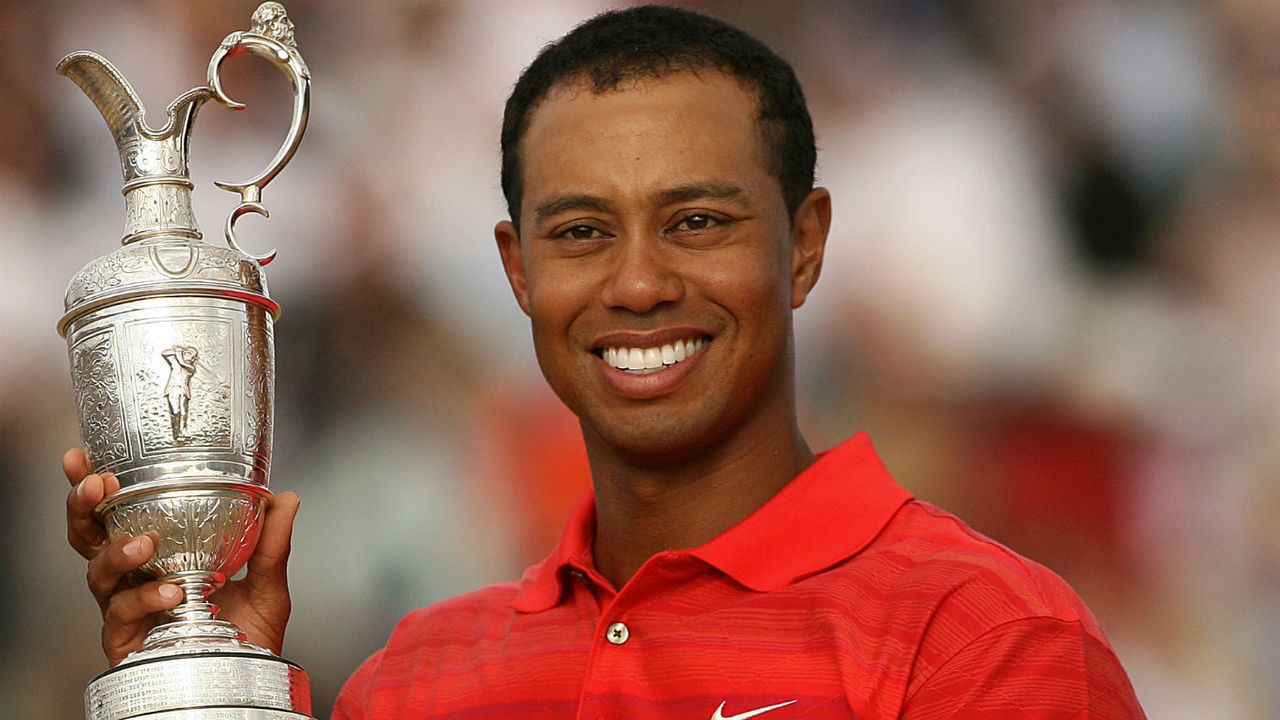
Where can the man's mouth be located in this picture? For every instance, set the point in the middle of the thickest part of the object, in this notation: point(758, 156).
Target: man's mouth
point(645, 360)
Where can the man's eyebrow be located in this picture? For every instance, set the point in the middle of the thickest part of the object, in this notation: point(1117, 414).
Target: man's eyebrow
point(705, 191)
point(563, 203)
point(681, 193)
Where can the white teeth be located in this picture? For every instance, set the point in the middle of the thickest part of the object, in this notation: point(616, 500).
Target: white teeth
point(650, 359)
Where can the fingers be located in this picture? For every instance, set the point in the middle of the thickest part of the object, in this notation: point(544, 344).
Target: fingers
point(75, 463)
point(84, 530)
point(130, 614)
point(109, 566)
point(270, 559)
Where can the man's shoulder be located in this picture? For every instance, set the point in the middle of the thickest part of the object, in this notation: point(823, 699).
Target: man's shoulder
point(488, 603)
point(944, 566)
point(945, 589)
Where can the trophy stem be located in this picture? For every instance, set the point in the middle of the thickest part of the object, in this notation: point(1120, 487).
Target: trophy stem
point(195, 604)
point(194, 620)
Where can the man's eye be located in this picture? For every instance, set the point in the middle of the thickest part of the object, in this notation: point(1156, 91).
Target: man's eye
point(580, 232)
point(697, 221)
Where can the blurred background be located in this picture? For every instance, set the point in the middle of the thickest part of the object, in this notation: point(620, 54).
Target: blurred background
point(1052, 296)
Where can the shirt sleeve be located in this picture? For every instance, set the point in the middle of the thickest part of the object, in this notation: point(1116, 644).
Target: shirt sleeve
point(1030, 669)
point(355, 692)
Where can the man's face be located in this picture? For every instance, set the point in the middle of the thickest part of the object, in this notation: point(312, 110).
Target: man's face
point(658, 263)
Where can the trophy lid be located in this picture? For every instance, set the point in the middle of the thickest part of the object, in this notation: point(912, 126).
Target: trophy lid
point(162, 253)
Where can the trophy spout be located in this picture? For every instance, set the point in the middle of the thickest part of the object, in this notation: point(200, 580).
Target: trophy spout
point(107, 88)
point(157, 185)
point(125, 114)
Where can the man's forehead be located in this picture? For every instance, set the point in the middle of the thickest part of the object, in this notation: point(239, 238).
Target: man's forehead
point(674, 102)
point(587, 84)
point(682, 118)
point(643, 138)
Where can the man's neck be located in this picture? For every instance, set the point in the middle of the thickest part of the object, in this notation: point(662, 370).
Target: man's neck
point(642, 510)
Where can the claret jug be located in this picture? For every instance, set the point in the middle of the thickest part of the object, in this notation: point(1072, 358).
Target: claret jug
point(173, 366)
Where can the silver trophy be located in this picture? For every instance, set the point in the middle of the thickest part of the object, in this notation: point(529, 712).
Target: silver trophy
point(173, 364)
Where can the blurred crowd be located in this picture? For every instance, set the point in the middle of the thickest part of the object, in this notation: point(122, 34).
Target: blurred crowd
point(1051, 295)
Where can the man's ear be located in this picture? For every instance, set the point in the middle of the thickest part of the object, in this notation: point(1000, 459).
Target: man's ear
point(809, 227)
point(513, 261)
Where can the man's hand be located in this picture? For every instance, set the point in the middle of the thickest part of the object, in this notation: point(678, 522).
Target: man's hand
point(258, 604)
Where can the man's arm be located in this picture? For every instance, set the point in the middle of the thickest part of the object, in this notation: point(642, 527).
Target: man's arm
point(1029, 669)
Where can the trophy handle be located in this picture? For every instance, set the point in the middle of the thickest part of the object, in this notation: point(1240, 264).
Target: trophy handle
point(270, 37)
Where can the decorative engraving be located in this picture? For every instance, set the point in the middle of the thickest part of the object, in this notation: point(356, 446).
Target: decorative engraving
point(155, 158)
point(93, 371)
point(212, 534)
point(159, 207)
point(259, 391)
point(182, 365)
point(129, 144)
point(177, 634)
point(150, 262)
point(193, 407)
point(218, 264)
point(108, 272)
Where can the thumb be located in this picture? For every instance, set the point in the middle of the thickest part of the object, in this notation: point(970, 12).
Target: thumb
point(271, 557)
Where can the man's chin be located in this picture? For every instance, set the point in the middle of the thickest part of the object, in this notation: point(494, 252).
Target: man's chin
point(648, 444)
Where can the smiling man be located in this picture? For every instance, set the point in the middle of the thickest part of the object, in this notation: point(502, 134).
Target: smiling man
point(658, 167)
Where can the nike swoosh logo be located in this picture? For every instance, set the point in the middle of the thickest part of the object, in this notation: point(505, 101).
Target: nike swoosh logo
point(719, 713)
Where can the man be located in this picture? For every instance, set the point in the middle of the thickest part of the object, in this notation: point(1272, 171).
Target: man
point(658, 167)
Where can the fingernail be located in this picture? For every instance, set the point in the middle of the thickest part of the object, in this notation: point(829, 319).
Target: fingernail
point(133, 547)
point(170, 592)
point(80, 489)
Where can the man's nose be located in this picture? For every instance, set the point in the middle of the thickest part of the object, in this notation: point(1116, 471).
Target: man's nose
point(643, 276)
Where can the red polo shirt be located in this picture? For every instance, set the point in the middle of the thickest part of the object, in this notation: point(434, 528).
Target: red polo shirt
point(841, 597)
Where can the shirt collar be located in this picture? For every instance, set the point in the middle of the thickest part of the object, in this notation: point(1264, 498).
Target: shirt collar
point(543, 584)
point(830, 512)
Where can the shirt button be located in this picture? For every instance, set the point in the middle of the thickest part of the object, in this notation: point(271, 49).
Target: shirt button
point(617, 633)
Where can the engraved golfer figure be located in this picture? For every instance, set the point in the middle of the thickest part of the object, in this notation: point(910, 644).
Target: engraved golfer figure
point(182, 365)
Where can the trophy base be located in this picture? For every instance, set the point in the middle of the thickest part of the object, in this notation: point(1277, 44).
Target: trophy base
point(216, 685)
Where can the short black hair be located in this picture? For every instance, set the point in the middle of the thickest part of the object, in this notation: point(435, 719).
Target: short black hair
point(652, 42)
